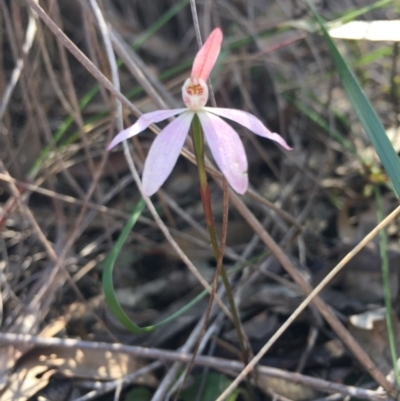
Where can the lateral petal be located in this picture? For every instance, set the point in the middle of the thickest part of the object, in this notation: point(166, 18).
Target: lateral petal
point(144, 121)
point(164, 153)
point(227, 149)
point(207, 55)
point(250, 122)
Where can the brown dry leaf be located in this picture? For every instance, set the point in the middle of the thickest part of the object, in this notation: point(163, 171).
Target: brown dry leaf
point(75, 310)
point(36, 367)
point(370, 331)
point(26, 382)
point(290, 390)
point(90, 363)
point(8, 357)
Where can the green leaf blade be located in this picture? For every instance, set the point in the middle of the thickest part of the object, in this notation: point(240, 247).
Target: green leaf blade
point(364, 110)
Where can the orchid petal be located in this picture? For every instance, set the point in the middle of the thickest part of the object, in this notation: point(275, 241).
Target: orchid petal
point(164, 153)
point(227, 149)
point(207, 55)
point(250, 122)
point(144, 121)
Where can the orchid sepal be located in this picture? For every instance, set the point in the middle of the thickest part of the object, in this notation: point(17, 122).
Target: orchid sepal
point(164, 153)
point(227, 149)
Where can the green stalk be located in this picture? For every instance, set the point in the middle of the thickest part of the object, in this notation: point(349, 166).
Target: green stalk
point(386, 286)
point(198, 144)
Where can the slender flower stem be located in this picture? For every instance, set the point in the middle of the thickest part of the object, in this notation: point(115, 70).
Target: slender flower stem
point(198, 143)
point(386, 287)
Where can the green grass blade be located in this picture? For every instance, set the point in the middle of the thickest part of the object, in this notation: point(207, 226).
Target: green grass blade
point(108, 284)
point(366, 113)
point(383, 248)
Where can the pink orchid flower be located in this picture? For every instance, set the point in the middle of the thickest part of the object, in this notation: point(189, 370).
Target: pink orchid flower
point(222, 139)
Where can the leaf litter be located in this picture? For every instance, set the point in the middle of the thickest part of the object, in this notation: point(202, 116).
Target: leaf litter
point(321, 185)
